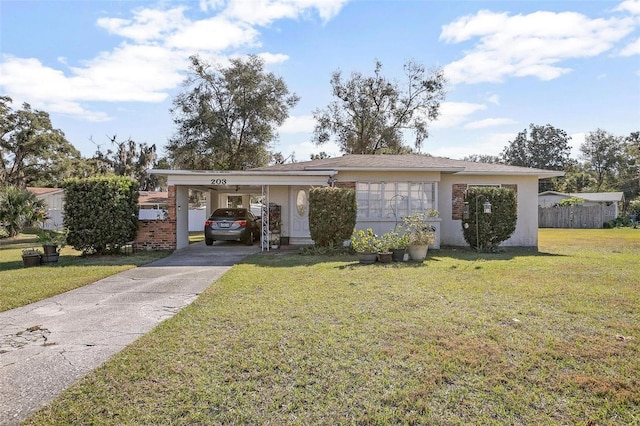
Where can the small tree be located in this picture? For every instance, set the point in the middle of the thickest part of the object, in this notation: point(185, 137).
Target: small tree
point(20, 208)
point(485, 231)
point(101, 213)
point(332, 215)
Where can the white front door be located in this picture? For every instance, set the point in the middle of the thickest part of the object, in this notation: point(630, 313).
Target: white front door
point(299, 202)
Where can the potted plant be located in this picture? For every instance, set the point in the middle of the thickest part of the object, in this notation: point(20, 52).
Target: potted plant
point(385, 242)
point(397, 244)
point(31, 257)
point(52, 242)
point(365, 244)
point(420, 233)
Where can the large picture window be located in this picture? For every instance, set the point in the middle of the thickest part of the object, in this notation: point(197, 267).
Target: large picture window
point(392, 200)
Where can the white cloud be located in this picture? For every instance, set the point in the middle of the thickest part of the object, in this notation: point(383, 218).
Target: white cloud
point(489, 122)
point(632, 48)
point(532, 45)
point(153, 56)
point(299, 124)
point(213, 35)
point(146, 24)
point(455, 113)
point(264, 12)
point(494, 99)
point(631, 6)
point(273, 58)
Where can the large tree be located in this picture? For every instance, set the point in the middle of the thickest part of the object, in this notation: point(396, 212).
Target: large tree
point(227, 118)
point(128, 158)
point(602, 152)
point(543, 147)
point(370, 114)
point(31, 150)
point(629, 179)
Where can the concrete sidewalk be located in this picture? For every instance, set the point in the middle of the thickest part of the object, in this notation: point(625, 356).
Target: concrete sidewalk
point(48, 345)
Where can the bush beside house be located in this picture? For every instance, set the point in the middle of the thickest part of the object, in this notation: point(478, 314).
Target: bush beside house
point(332, 215)
point(101, 213)
point(485, 231)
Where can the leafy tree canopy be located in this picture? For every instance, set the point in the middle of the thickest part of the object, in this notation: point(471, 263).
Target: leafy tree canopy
point(129, 159)
point(32, 152)
point(544, 147)
point(370, 114)
point(227, 118)
point(602, 152)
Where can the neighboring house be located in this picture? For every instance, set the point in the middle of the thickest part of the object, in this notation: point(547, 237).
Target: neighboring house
point(387, 187)
point(54, 198)
point(552, 198)
point(152, 205)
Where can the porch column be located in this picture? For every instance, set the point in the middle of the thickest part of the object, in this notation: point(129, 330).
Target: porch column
point(182, 217)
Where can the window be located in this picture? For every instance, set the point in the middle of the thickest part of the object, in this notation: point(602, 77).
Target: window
point(392, 200)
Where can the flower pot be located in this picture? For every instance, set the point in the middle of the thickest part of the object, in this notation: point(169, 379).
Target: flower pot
point(31, 260)
point(48, 259)
point(385, 257)
point(417, 252)
point(397, 255)
point(367, 258)
point(50, 249)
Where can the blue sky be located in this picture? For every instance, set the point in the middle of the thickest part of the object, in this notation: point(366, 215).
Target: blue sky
point(101, 68)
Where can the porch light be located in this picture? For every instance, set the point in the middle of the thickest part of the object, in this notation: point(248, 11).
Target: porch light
point(487, 207)
point(465, 210)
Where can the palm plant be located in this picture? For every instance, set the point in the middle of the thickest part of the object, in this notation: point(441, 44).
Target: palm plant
point(20, 208)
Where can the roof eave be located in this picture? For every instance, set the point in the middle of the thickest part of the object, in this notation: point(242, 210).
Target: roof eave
point(242, 172)
point(390, 169)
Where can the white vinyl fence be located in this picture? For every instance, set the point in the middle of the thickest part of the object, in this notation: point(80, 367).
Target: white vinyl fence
point(196, 217)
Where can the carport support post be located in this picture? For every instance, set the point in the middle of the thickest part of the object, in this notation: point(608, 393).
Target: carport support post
point(182, 217)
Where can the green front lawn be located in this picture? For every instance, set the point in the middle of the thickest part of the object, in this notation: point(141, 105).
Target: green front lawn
point(20, 286)
point(511, 338)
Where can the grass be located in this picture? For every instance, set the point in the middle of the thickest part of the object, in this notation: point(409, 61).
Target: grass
point(21, 286)
point(510, 338)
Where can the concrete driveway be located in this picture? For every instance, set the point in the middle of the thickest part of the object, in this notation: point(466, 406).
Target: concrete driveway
point(48, 345)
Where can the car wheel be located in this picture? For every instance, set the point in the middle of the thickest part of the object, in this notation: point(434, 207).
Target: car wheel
point(208, 241)
point(248, 240)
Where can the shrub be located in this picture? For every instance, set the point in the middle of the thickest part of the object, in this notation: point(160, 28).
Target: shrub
point(19, 208)
point(332, 215)
point(492, 228)
point(100, 213)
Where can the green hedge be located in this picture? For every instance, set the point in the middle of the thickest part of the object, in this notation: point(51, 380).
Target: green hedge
point(492, 228)
point(101, 213)
point(332, 215)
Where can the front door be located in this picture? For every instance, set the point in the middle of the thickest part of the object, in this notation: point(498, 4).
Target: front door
point(299, 212)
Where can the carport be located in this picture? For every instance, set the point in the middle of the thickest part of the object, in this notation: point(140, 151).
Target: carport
point(286, 189)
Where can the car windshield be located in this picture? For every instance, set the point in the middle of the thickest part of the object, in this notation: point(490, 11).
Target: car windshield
point(229, 213)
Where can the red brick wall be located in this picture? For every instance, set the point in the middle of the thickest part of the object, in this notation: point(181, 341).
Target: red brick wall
point(351, 185)
point(159, 234)
point(457, 198)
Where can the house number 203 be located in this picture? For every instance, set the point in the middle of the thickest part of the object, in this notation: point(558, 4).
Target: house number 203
point(218, 181)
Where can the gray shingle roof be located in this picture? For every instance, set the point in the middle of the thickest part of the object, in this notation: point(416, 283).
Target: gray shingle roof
point(408, 162)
